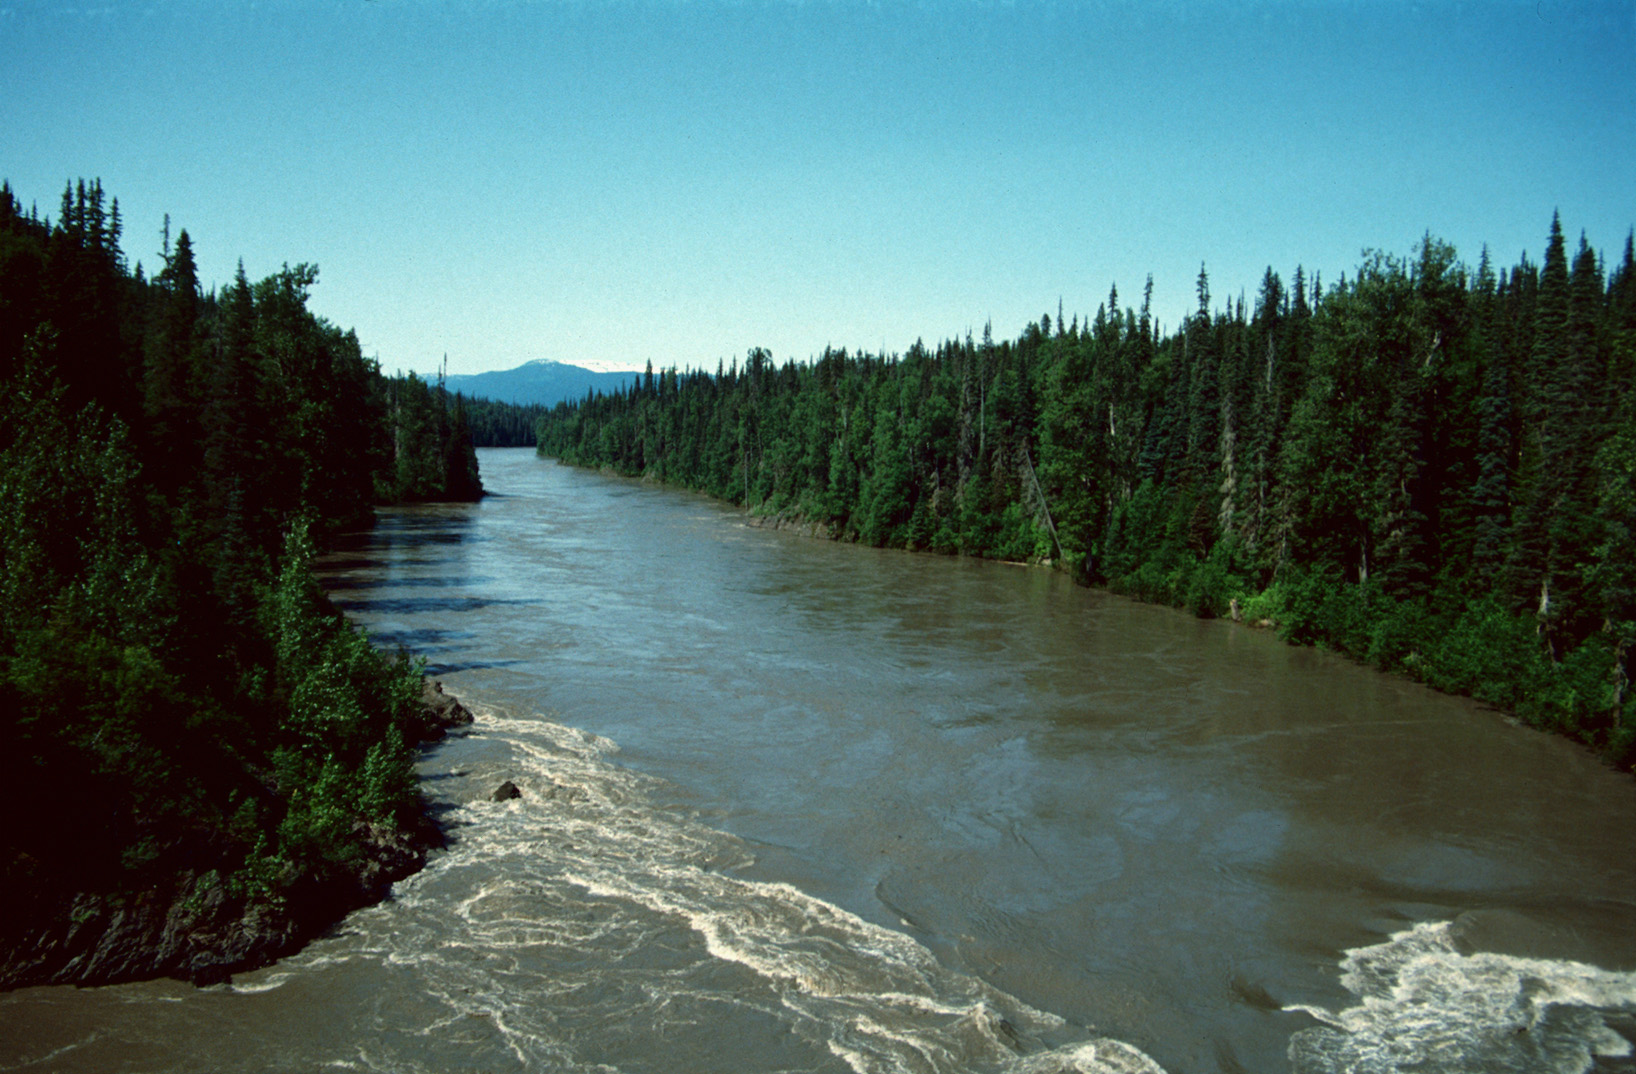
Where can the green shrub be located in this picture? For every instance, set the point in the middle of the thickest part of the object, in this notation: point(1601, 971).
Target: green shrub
point(1267, 606)
point(1489, 653)
point(318, 821)
point(1320, 609)
point(387, 785)
point(1212, 584)
point(1401, 635)
point(1578, 695)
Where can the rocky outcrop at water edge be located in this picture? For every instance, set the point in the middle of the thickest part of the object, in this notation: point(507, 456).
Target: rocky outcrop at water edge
point(192, 925)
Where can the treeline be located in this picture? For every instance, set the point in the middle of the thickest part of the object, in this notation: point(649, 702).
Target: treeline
point(1427, 466)
point(184, 706)
point(495, 424)
point(433, 444)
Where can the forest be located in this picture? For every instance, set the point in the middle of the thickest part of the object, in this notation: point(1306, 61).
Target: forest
point(495, 424)
point(187, 713)
point(1426, 466)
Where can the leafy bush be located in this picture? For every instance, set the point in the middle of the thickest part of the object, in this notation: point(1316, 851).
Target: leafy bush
point(1400, 636)
point(1489, 653)
point(343, 757)
point(1212, 585)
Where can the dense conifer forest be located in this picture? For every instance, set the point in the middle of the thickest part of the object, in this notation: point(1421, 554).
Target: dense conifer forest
point(184, 706)
point(495, 424)
point(1427, 466)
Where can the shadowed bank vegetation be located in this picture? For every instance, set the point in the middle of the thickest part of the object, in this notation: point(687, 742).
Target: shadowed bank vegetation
point(1428, 466)
point(203, 763)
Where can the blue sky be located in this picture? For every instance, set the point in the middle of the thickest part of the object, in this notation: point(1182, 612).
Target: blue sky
point(608, 183)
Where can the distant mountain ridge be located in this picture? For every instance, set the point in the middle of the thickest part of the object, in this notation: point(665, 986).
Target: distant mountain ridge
point(541, 381)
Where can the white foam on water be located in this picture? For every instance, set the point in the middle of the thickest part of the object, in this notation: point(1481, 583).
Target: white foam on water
point(1103, 1056)
point(272, 981)
point(42, 1062)
point(1428, 1007)
point(590, 926)
point(634, 913)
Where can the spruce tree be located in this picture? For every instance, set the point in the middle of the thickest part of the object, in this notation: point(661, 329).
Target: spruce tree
point(1204, 388)
point(1491, 491)
point(1528, 567)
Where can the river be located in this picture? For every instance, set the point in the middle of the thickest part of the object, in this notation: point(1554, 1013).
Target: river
point(791, 805)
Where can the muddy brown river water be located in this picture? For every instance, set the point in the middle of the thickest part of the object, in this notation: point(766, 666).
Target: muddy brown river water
point(790, 805)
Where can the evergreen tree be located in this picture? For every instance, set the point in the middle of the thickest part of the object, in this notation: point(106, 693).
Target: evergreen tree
point(1358, 464)
point(1491, 494)
point(171, 390)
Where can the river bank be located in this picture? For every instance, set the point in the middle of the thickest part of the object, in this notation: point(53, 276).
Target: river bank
point(199, 925)
point(1474, 648)
point(788, 804)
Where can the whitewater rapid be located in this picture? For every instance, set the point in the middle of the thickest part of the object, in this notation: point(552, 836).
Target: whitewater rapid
point(593, 912)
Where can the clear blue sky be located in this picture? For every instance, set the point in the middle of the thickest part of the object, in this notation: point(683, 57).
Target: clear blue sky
point(609, 183)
